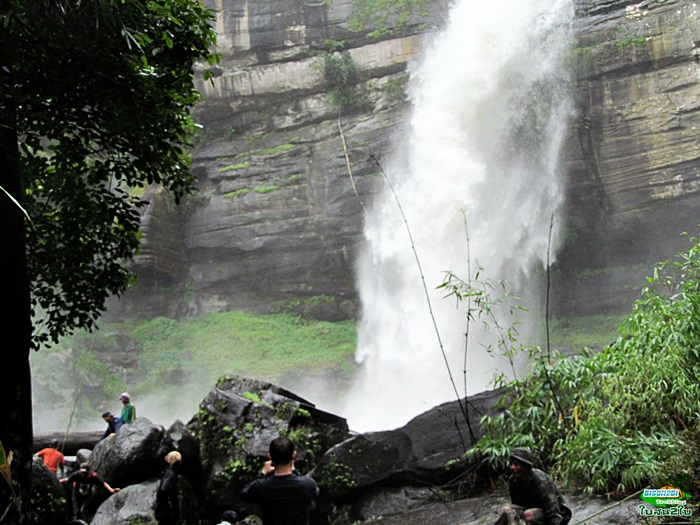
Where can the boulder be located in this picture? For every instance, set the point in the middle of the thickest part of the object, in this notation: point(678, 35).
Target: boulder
point(235, 424)
point(390, 501)
point(428, 450)
point(131, 455)
point(133, 504)
point(83, 455)
point(137, 504)
point(441, 436)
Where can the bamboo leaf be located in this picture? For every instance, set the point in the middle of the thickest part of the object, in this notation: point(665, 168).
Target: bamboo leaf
point(5, 461)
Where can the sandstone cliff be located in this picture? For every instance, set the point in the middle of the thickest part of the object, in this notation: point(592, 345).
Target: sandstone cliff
point(279, 214)
point(634, 165)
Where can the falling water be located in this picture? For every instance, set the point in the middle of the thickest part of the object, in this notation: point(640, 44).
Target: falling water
point(478, 179)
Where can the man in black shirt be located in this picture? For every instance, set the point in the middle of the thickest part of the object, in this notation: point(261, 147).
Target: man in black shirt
point(80, 483)
point(284, 496)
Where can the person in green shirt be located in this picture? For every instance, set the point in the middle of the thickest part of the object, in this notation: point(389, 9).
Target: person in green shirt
point(128, 410)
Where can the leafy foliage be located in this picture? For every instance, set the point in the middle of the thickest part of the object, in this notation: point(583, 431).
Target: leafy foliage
point(682, 468)
point(490, 303)
point(609, 421)
point(343, 76)
point(381, 15)
point(98, 95)
point(395, 88)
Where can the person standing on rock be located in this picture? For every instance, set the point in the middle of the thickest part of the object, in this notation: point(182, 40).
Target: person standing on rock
point(284, 496)
point(128, 409)
point(534, 497)
point(52, 457)
point(168, 495)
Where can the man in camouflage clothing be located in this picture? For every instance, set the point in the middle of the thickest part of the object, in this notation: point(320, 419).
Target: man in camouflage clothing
point(534, 497)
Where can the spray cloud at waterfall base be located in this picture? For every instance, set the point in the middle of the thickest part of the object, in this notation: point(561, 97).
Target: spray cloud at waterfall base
point(476, 183)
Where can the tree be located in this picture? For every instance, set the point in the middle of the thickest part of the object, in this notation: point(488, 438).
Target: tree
point(95, 99)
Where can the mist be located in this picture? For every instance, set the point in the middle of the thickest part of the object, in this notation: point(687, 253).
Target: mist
point(473, 190)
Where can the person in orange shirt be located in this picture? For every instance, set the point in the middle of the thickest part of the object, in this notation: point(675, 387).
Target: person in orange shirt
point(53, 459)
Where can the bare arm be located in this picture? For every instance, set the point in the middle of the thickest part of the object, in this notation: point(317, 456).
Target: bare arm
point(106, 485)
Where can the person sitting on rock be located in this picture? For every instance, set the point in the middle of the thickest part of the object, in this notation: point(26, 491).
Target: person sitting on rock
point(534, 497)
point(113, 424)
point(80, 483)
point(52, 457)
point(283, 495)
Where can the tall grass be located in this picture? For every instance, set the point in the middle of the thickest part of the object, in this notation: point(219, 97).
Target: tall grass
point(170, 361)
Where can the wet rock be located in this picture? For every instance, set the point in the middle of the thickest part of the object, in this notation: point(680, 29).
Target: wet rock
point(137, 504)
point(386, 502)
point(83, 455)
point(427, 451)
point(484, 511)
point(131, 455)
point(235, 424)
point(131, 504)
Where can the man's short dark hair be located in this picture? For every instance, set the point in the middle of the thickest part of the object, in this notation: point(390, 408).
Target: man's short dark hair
point(106, 414)
point(281, 450)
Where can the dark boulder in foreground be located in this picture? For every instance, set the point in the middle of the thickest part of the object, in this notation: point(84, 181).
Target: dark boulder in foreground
point(235, 424)
point(412, 475)
point(132, 504)
point(131, 455)
point(137, 504)
point(427, 452)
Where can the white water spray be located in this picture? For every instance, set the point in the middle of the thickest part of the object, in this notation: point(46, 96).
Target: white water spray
point(489, 115)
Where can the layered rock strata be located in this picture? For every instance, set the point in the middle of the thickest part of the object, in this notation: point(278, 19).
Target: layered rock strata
point(284, 176)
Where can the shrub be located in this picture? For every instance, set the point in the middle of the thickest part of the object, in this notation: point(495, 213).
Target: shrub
point(343, 77)
point(608, 422)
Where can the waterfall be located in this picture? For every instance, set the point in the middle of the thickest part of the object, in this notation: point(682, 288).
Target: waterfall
point(478, 178)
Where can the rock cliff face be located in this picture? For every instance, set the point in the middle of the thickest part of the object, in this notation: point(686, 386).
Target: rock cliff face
point(284, 177)
point(635, 170)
